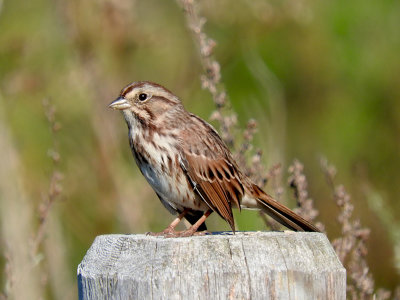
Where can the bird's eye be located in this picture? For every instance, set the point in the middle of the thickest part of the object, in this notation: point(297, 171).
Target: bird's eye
point(142, 96)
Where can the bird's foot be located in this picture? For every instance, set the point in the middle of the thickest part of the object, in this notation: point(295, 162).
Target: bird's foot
point(167, 231)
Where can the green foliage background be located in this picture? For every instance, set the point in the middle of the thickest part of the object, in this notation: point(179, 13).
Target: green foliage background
point(320, 77)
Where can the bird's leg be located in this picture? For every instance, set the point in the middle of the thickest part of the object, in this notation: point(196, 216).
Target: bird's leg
point(174, 223)
point(193, 229)
point(170, 230)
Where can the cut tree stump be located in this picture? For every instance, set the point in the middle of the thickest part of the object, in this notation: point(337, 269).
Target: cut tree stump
point(246, 265)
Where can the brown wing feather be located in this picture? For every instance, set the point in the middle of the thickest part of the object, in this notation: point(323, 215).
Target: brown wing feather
point(217, 189)
point(209, 164)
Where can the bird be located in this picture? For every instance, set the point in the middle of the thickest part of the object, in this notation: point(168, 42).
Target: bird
point(188, 165)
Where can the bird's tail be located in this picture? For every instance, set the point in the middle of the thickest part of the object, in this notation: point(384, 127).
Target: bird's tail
point(280, 212)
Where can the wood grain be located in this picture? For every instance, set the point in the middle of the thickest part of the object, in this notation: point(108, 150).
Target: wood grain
point(247, 265)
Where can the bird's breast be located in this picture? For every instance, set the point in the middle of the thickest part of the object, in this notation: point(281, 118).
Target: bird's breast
point(157, 157)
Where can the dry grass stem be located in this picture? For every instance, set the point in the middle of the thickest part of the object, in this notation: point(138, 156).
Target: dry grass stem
point(211, 79)
point(55, 187)
point(298, 182)
point(351, 245)
point(223, 114)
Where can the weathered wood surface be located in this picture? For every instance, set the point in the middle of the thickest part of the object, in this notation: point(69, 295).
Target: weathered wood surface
point(251, 265)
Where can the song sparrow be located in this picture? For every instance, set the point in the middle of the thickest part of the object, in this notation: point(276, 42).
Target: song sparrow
point(188, 165)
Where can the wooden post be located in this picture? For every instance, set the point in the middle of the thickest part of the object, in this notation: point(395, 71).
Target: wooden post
point(247, 265)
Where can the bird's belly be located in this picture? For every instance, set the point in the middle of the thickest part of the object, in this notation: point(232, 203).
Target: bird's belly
point(172, 188)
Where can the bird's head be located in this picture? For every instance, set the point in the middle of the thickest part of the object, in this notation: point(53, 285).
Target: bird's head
point(145, 101)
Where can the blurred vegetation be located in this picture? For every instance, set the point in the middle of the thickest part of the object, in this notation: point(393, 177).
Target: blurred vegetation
point(321, 78)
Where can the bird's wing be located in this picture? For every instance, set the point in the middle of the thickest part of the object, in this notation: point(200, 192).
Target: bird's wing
point(210, 170)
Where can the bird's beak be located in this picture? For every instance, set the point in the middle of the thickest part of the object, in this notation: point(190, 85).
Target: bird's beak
point(120, 103)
